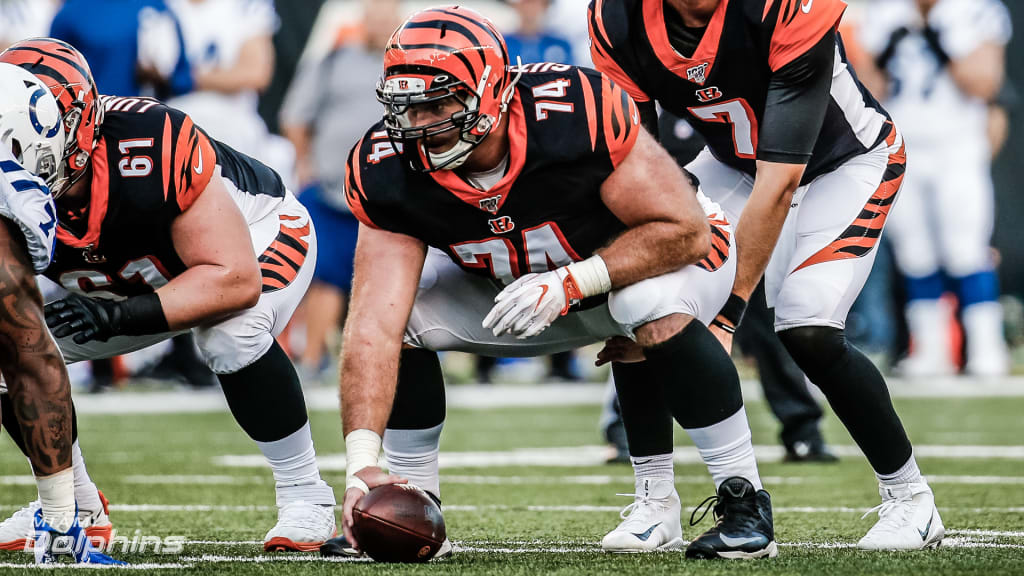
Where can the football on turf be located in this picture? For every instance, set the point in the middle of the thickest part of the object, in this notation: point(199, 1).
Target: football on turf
point(398, 523)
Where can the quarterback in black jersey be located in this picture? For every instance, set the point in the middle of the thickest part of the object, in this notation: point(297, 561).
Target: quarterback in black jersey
point(520, 211)
point(813, 163)
point(162, 229)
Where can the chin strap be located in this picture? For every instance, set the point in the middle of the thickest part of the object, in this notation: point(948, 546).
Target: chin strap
point(460, 150)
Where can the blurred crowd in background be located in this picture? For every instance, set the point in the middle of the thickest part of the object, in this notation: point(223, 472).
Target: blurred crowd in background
point(293, 86)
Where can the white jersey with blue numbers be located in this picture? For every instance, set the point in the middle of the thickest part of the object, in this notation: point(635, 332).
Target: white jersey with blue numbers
point(923, 99)
point(26, 201)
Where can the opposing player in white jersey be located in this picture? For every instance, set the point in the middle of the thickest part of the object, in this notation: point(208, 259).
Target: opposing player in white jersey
point(943, 63)
point(35, 379)
point(162, 229)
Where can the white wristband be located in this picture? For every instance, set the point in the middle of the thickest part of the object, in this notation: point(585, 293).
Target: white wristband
point(591, 276)
point(362, 450)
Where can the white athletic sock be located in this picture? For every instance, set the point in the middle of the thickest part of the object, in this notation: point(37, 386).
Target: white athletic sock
point(57, 496)
point(658, 467)
point(929, 322)
point(908, 473)
point(412, 454)
point(296, 474)
point(986, 346)
point(727, 450)
point(85, 490)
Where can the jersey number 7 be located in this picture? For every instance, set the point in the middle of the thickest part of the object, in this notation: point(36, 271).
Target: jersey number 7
point(744, 124)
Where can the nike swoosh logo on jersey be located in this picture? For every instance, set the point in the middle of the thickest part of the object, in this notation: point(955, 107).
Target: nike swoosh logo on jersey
point(927, 528)
point(643, 536)
point(199, 166)
point(806, 6)
point(737, 542)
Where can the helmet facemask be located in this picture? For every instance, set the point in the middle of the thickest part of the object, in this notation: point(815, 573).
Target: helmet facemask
point(402, 93)
point(75, 159)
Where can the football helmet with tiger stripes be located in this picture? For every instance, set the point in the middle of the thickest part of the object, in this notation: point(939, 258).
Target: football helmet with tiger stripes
point(437, 56)
point(64, 70)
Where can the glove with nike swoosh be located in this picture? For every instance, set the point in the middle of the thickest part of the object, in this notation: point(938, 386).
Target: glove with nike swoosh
point(529, 305)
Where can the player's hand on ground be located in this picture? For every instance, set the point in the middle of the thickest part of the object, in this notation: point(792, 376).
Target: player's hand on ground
point(526, 307)
point(723, 336)
point(620, 349)
point(85, 318)
point(372, 476)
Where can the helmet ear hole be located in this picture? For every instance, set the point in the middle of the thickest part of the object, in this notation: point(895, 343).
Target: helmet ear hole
point(16, 149)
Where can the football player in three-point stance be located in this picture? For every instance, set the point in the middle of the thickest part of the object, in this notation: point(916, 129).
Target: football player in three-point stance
point(162, 229)
point(522, 211)
point(32, 145)
point(813, 163)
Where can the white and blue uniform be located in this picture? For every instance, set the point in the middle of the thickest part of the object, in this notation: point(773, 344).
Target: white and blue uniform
point(26, 201)
point(942, 229)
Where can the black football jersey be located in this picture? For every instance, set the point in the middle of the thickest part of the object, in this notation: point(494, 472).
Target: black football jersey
point(569, 128)
point(722, 88)
point(150, 165)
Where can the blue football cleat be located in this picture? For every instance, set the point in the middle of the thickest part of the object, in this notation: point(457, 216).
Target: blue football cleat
point(51, 545)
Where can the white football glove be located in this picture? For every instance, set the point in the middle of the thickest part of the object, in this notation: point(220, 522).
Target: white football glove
point(526, 307)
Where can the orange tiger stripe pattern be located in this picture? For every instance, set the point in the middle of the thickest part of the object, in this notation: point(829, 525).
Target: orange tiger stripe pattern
point(720, 242)
point(281, 261)
point(862, 235)
point(621, 120)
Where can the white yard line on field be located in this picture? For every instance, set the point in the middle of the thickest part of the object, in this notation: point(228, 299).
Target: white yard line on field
point(957, 539)
point(985, 533)
point(142, 566)
point(507, 396)
point(545, 480)
point(585, 456)
point(540, 480)
point(148, 508)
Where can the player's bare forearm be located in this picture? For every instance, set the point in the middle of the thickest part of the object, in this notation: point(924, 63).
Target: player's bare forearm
point(668, 229)
point(253, 69)
point(369, 377)
point(981, 73)
point(387, 271)
point(223, 276)
point(32, 366)
point(653, 249)
point(208, 292)
point(761, 222)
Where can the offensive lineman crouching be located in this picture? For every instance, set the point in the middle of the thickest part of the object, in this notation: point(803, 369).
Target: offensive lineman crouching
point(159, 227)
point(526, 215)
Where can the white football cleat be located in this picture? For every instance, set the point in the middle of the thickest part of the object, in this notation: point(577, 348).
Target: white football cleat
point(650, 523)
point(907, 520)
point(17, 532)
point(301, 527)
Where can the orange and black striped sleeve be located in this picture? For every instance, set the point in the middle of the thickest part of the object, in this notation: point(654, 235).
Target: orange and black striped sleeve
point(188, 159)
point(620, 120)
point(799, 26)
point(355, 196)
point(602, 50)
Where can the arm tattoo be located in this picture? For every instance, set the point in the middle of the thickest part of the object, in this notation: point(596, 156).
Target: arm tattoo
point(32, 366)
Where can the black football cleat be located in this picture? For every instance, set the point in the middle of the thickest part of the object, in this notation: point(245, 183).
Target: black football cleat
point(339, 546)
point(743, 524)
